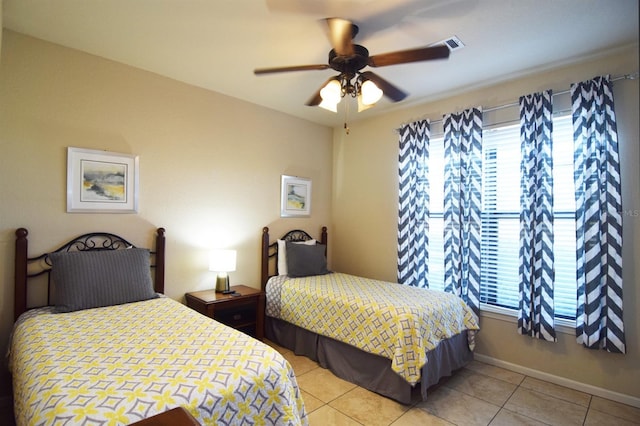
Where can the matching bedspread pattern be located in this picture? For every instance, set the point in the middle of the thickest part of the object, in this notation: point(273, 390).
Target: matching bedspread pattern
point(394, 321)
point(119, 364)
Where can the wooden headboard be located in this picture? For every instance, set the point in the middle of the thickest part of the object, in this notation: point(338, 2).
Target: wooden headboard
point(270, 250)
point(30, 267)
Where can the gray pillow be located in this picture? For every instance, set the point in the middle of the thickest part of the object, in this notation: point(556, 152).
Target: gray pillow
point(92, 279)
point(304, 260)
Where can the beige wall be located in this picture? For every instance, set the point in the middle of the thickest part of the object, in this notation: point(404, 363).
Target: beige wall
point(210, 165)
point(365, 191)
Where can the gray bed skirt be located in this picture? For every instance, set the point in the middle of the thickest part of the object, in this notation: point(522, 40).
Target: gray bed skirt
point(370, 371)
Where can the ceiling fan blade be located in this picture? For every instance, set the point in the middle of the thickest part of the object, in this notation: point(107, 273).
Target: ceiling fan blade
point(341, 34)
point(411, 55)
point(389, 90)
point(259, 71)
point(316, 98)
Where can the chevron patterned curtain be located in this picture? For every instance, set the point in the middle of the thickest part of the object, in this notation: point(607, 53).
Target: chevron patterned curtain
point(536, 271)
point(462, 204)
point(598, 217)
point(413, 208)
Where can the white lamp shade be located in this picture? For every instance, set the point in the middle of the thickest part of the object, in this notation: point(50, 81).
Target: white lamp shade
point(222, 260)
point(370, 93)
point(331, 92)
point(329, 106)
point(362, 106)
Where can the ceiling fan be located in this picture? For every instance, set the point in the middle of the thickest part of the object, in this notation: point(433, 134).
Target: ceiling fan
point(349, 59)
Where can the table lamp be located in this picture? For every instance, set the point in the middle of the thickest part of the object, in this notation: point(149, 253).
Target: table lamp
point(222, 262)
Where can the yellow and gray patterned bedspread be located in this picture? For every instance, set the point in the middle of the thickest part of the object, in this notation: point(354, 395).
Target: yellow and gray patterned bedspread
point(117, 365)
point(391, 320)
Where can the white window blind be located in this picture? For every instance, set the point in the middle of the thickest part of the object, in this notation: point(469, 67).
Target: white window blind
point(501, 217)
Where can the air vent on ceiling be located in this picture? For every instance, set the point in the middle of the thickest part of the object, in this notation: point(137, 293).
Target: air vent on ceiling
point(453, 43)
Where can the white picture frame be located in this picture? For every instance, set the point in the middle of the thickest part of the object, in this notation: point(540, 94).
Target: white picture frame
point(101, 181)
point(295, 196)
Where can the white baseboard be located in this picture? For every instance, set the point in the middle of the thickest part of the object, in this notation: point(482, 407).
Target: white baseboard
point(572, 384)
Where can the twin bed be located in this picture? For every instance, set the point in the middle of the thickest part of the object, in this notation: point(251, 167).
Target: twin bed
point(385, 337)
point(108, 347)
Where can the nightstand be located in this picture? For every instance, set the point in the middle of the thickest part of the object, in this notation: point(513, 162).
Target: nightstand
point(244, 312)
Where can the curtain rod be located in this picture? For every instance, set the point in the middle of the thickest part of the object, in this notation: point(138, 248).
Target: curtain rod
point(631, 76)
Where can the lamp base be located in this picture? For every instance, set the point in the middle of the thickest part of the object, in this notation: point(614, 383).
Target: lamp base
point(222, 283)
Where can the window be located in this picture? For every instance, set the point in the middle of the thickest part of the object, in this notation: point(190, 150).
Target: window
point(499, 285)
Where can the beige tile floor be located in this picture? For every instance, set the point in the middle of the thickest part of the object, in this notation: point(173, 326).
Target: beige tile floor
point(479, 394)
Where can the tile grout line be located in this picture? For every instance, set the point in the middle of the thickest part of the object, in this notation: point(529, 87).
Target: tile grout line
point(588, 409)
point(520, 414)
point(586, 413)
point(506, 400)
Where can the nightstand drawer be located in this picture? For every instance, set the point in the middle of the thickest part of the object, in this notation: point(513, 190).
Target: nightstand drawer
point(243, 310)
point(237, 317)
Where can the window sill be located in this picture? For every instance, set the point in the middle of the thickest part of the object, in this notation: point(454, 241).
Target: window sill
point(511, 315)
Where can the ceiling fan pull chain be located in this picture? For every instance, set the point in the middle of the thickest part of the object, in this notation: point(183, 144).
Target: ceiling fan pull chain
point(346, 118)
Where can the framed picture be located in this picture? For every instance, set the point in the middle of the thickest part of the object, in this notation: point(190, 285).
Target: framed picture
point(101, 181)
point(295, 197)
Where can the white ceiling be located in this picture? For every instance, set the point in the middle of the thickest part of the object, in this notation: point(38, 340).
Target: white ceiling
point(216, 44)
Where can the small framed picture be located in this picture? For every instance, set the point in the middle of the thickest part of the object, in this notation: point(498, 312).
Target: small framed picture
point(295, 197)
point(101, 181)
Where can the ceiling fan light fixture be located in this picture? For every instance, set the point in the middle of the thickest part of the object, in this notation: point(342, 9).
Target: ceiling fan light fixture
point(362, 106)
point(331, 92)
point(370, 93)
point(329, 106)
